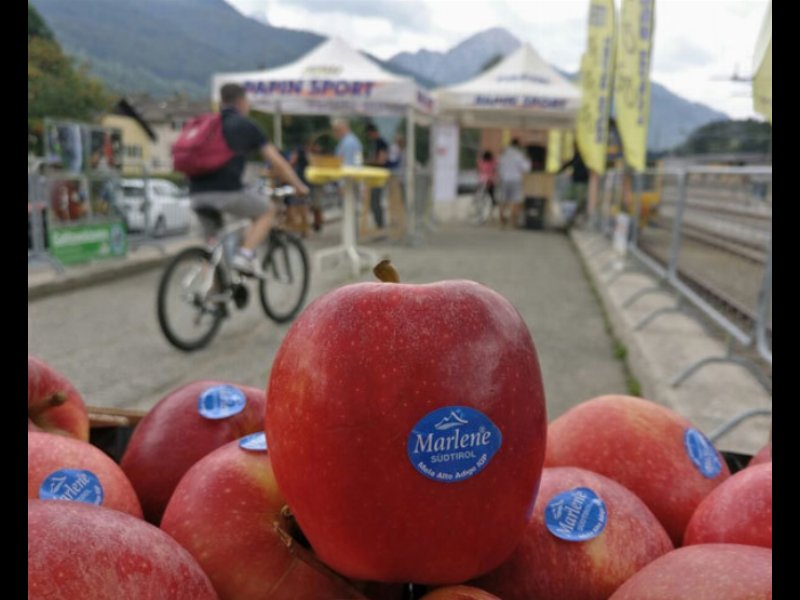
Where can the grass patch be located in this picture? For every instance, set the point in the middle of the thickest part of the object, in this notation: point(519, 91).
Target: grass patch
point(618, 350)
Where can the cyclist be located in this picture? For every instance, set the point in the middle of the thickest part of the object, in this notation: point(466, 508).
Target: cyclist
point(223, 189)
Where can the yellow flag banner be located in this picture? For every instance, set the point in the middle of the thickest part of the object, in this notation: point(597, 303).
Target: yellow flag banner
point(596, 77)
point(632, 79)
point(762, 80)
point(554, 141)
point(568, 146)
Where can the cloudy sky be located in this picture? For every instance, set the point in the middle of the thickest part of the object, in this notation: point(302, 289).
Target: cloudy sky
point(698, 43)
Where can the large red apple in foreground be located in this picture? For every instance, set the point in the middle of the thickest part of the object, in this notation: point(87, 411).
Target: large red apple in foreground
point(651, 450)
point(739, 511)
point(704, 572)
point(54, 405)
point(66, 469)
point(76, 550)
point(587, 535)
point(228, 512)
point(182, 428)
point(407, 428)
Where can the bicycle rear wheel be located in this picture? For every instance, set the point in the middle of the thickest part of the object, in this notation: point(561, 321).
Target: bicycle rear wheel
point(188, 314)
point(285, 286)
point(481, 205)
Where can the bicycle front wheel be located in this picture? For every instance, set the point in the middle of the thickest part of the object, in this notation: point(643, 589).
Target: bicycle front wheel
point(481, 205)
point(285, 285)
point(190, 308)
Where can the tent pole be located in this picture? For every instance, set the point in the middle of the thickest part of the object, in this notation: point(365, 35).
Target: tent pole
point(277, 126)
point(411, 200)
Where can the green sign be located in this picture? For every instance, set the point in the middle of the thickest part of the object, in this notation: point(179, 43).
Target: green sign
point(88, 241)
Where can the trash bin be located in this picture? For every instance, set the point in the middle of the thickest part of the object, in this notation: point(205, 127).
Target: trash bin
point(534, 212)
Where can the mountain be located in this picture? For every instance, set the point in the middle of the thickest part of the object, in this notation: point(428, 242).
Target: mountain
point(672, 117)
point(460, 62)
point(167, 46)
point(164, 46)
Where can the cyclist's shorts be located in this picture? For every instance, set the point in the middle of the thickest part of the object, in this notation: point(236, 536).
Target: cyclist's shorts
point(511, 192)
point(245, 203)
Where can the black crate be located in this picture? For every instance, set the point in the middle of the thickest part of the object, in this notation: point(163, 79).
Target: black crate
point(534, 212)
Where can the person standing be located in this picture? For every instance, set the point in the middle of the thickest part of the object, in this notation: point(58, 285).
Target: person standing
point(578, 187)
point(487, 174)
point(377, 156)
point(511, 168)
point(349, 148)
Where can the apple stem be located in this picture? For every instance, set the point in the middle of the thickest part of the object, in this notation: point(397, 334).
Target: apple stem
point(386, 272)
point(51, 401)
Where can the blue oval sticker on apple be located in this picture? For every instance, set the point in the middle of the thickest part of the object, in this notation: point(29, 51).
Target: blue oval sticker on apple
point(702, 453)
point(576, 515)
point(221, 402)
point(453, 443)
point(77, 485)
point(255, 442)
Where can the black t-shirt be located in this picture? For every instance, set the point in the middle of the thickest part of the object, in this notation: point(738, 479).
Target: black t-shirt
point(243, 136)
point(375, 147)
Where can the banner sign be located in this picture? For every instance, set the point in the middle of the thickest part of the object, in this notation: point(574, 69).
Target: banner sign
point(596, 77)
point(88, 241)
point(632, 82)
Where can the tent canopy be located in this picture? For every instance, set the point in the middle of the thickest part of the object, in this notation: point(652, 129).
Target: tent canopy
point(521, 91)
point(331, 79)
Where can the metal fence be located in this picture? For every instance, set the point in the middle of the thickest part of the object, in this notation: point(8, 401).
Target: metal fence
point(705, 234)
point(151, 208)
point(37, 218)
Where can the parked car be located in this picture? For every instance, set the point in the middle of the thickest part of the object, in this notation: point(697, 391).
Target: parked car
point(162, 209)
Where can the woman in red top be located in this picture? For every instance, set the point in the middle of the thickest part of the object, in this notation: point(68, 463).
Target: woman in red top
point(487, 173)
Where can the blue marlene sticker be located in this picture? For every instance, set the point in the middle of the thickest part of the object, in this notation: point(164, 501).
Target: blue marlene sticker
point(256, 442)
point(453, 443)
point(221, 402)
point(702, 453)
point(576, 515)
point(72, 484)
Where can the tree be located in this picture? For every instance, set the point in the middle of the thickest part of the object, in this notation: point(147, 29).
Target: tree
point(36, 25)
point(56, 88)
point(726, 137)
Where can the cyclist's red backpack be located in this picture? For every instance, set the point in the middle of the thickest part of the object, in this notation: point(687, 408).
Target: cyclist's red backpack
point(201, 148)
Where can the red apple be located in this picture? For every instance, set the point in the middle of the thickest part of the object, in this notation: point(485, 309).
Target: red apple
point(407, 428)
point(67, 469)
point(739, 511)
point(459, 592)
point(704, 572)
point(228, 512)
point(762, 456)
point(174, 435)
point(587, 535)
point(76, 550)
point(651, 450)
point(54, 405)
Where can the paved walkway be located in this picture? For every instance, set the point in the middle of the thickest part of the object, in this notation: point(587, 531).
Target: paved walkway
point(105, 337)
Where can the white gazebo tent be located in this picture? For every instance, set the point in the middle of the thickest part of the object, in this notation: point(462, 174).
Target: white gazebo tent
point(521, 91)
point(336, 79)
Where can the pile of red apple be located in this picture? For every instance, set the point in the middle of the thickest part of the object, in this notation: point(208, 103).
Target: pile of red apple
point(402, 438)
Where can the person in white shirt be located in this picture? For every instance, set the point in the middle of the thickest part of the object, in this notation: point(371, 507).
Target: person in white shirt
point(511, 167)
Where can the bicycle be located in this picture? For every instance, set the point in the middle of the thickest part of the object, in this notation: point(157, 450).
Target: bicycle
point(199, 283)
point(482, 205)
